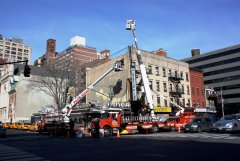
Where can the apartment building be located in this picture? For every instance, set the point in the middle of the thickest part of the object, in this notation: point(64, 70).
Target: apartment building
point(167, 77)
point(14, 49)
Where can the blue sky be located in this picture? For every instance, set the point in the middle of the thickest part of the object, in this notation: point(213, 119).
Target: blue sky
point(174, 25)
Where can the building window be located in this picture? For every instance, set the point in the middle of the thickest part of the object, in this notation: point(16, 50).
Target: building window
point(203, 103)
point(14, 48)
point(157, 70)
point(188, 90)
point(165, 87)
point(158, 86)
point(176, 75)
point(26, 51)
point(158, 101)
point(198, 91)
point(182, 88)
point(165, 103)
point(189, 103)
point(193, 92)
point(202, 92)
point(181, 74)
point(194, 103)
point(164, 72)
point(187, 77)
point(169, 73)
point(149, 69)
point(170, 87)
point(183, 102)
point(150, 84)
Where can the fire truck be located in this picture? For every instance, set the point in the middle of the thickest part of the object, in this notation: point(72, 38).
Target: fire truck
point(58, 123)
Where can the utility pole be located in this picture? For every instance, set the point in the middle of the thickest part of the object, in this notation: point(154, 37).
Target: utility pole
point(222, 102)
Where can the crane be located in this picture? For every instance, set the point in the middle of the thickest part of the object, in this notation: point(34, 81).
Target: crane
point(66, 111)
point(131, 25)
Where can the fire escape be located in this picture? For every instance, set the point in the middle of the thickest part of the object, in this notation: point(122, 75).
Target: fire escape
point(175, 88)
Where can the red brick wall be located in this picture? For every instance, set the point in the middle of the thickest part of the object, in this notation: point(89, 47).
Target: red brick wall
point(197, 88)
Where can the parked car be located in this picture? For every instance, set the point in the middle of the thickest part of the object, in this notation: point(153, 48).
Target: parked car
point(2, 131)
point(199, 124)
point(229, 123)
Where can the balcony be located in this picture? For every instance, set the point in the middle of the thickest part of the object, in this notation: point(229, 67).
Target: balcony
point(175, 78)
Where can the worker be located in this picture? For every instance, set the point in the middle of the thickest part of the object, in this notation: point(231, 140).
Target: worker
point(71, 124)
point(97, 127)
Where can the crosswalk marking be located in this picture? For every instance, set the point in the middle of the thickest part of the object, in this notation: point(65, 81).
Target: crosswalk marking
point(10, 153)
point(203, 135)
point(32, 137)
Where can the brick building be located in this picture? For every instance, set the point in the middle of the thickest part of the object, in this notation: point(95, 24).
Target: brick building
point(197, 88)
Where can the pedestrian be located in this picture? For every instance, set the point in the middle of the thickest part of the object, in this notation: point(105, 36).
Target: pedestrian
point(71, 124)
point(97, 127)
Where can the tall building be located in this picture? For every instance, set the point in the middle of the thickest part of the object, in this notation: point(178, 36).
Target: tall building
point(14, 49)
point(221, 70)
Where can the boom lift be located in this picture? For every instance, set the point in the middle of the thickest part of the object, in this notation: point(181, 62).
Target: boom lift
point(50, 123)
point(66, 111)
point(131, 25)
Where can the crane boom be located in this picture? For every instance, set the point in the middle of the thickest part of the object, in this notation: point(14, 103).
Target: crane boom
point(66, 111)
point(130, 25)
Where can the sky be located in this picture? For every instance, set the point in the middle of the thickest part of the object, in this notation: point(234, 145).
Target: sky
point(174, 25)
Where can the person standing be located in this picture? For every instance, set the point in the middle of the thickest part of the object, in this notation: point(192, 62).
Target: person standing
point(71, 124)
point(97, 127)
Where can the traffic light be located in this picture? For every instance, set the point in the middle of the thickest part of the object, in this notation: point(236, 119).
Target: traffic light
point(27, 71)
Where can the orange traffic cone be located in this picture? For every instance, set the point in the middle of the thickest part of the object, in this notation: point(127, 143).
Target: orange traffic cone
point(68, 135)
point(118, 134)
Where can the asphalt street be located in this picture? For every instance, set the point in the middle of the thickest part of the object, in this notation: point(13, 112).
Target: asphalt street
point(162, 146)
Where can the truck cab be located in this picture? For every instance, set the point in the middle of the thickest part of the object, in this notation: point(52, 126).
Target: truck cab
point(109, 122)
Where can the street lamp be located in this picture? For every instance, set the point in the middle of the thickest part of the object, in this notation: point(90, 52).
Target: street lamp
point(222, 100)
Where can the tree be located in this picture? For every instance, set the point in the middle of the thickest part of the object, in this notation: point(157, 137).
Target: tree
point(58, 83)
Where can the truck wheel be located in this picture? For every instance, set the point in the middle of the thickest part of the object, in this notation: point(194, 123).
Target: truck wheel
point(234, 128)
point(155, 129)
point(107, 131)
